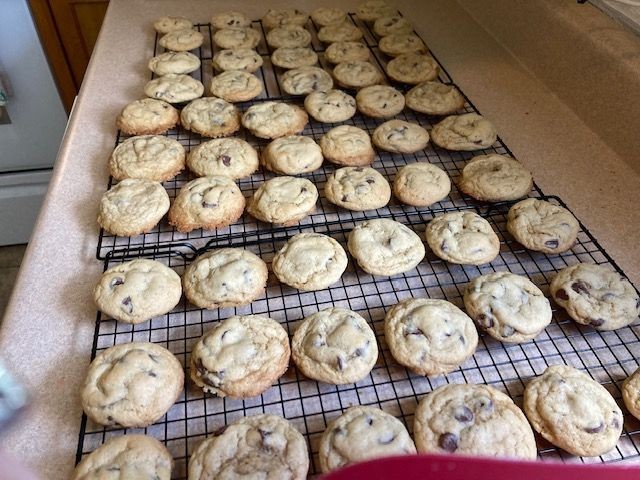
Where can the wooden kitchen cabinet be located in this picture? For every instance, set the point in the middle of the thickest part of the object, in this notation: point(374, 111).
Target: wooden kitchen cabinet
point(68, 31)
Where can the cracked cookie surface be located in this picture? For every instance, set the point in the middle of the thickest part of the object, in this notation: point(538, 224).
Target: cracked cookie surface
point(262, 446)
point(495, 178)
point(132, 384)
point(573, 412)
point(236, 86)
point(508, 307)
point(305, 80)
point(151, 157)
point(288, 36)
point(472, 420)
point(631, 393)
point(357, 74)
point(434, 98)
point(292, 155)
point(462, 237)
point(400, 136)
point(245, 59)
point(225, 277)
point(339, 32)
point(310, 261)
point(294, 57)
point(240, 357)
point(466, 132)
point(595, 295)
point(392, 25)
point(339, 52)
point(357, 188)
point(274, 119)
point(210, 117)
point(347, 145)
point(174, 88)
point(168, 24)
point(237, 37)
point(542, 226)
point(286, 16)
point(400, 43)
point(385, 247)
point(181, 40)
point(174, 62)
point(230, 19)
point(126, 456)
point(132, 207)
point(283, 200)
point(421, 184)
point(429, 336)
point(231, 157)
point(148, 116)
point(362, 433)
point(331, 106)
point(413, 68)
point(335, 346)
point(207, 203)
point(135, 291)
point(380, 101)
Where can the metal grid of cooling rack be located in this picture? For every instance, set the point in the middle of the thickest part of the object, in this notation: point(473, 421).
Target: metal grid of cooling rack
point(609, 357)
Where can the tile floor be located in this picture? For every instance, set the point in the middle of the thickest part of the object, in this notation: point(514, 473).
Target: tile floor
point(10, 258)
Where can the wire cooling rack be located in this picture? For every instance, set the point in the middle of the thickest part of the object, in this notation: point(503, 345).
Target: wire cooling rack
point(609, 357)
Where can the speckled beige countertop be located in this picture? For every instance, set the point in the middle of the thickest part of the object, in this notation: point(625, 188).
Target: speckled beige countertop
point(47, 332)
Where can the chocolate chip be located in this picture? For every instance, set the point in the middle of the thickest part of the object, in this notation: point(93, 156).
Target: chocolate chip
point(117, 281)
point(152, 374)
point(580, 287)
point(596, 322)
point(370, 180)
point(226, 160)
point(443, 246)
point(359, 352)
point(110, 418)
point(303, 189)
point(369, 421)
point(358, 169)
point(484, 321)
point(344, 198)
point(615, 423)
point(113, 468)
point(200, 367)
point(208, 205)
point(485, 403)
point(596, 429)
point(463, 414)
point(340, 363)
point(551, 243)
point(224, 334)
point(264, 434)
point(412, 330)
point(127, 303)
point(562, 295)
point(153, 358)
point(220, 431)
point(448, 441)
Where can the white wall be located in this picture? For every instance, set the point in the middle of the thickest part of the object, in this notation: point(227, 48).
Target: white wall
point(37, 116)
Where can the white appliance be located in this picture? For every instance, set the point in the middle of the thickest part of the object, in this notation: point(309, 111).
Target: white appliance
point(36, 121)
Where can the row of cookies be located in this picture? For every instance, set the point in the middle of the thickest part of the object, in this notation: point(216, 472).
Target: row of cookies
point(454, 418)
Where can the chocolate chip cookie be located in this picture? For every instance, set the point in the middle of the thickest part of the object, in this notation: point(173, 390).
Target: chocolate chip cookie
point(237, 37)
point(305, 80)
point(508, 307)
point(286, 16)
point(236, 86)
point(266, 446)
point(283, 200)
point(274, 119)
point(332, 106)
point(413, 68)
point(357, 188)
point(207, 203)
point(244, 59)
point(392, 25)
point(132, 207)
point(371, 10)
point(232, 157)
point(310, 261)
point(294, 57)
point(339, 32)
point(347, 145)
point(462, 237)
point(174, 88)
point(174, 62)
point(421, 184)
point(225, 277)
point(362, 433)
point(339, 52)
point(385, 247)
point(181, 40)
point(631, 393)
point(135, 291)
point(495, 178)
point(542, 226)
point(147, 117)
point(335, 346)
point(573, 412)
point(326, 16)
point(400, 43)
point(141, 455)
point(292, 155)
point(357, 74)
point(210, 117)
point(380, 101)
point(596, 295)
point(168, 24)
point(429, 336)
point(472, 420)
point(230, 19)
point(240, 357)
point(400, 136)
point(289, 36)
point(434, 98)
point(151, 157)
point(131, 385)
point(466, 132)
